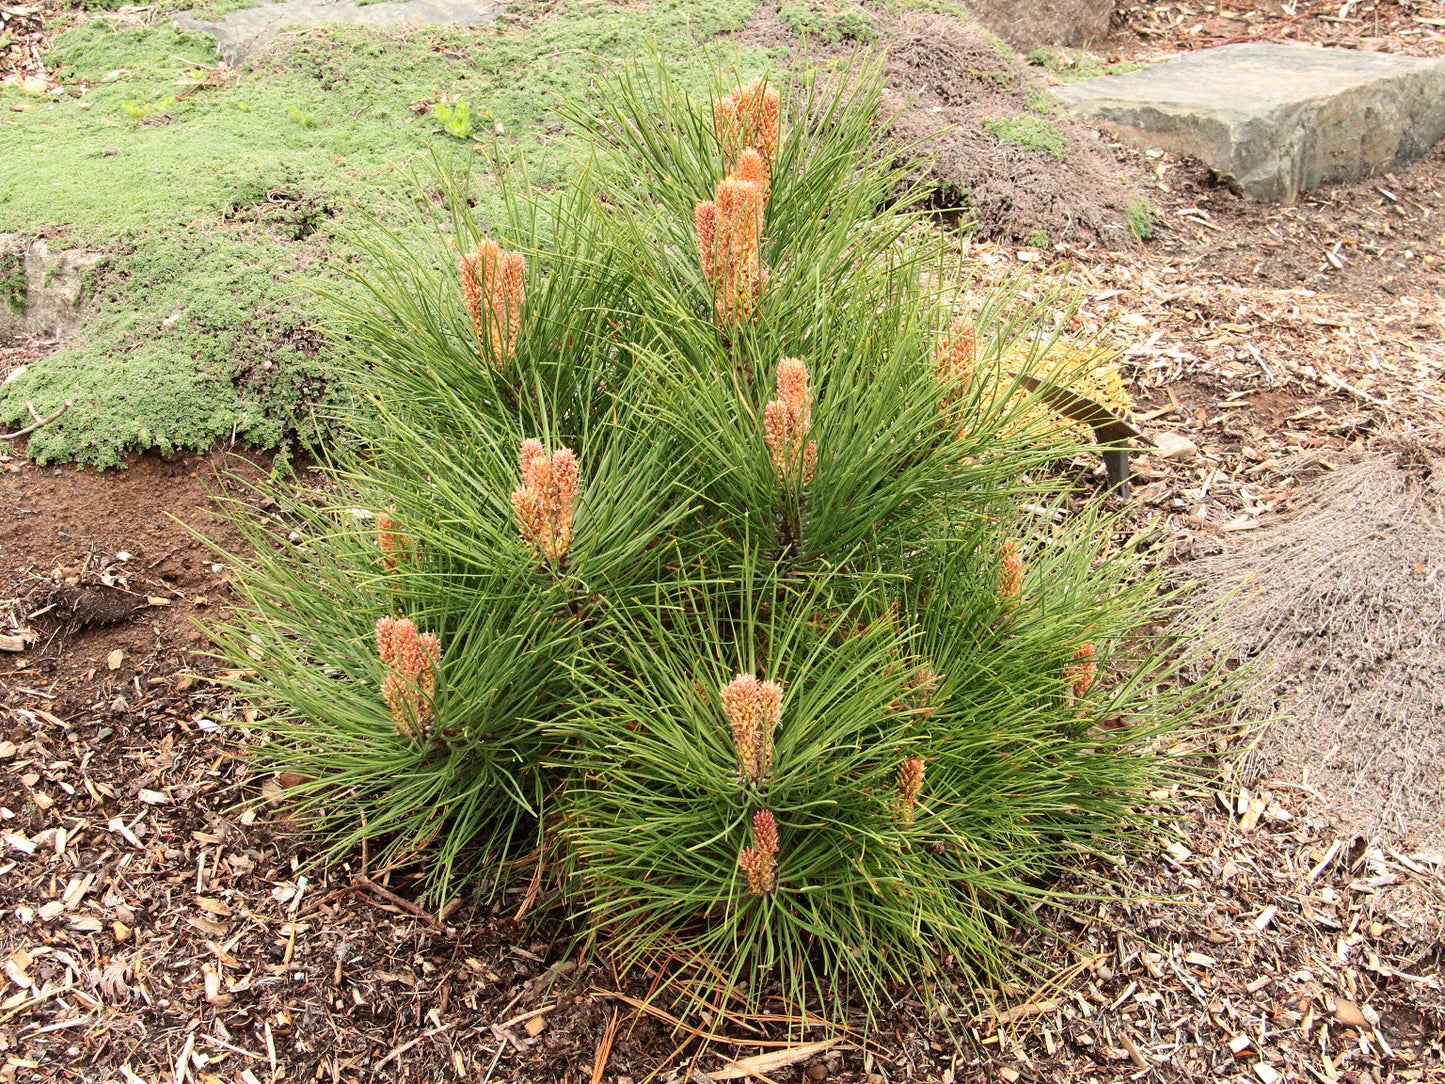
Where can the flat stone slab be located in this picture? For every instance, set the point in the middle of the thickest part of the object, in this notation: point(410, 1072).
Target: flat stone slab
point(237, 33)
point(1275, 120)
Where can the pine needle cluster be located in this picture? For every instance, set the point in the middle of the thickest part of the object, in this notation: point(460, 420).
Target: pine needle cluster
point(774, 637)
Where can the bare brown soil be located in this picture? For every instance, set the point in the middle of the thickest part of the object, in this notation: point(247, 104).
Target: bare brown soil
point(950, 82)
point(98, 564)
point(160, 919)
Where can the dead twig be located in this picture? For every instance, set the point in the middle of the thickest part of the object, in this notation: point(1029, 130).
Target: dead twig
point(760, 1065)
point(404, 1047)
point(39, 421)
point(400, 901)
point(1271, 31)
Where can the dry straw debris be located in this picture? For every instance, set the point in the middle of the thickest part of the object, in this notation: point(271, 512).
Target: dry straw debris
point(1342, 607)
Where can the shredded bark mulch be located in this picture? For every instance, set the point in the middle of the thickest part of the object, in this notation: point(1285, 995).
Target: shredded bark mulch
point(26, 31)
point(1148, 26)
point(16, 354)
point(23, 42)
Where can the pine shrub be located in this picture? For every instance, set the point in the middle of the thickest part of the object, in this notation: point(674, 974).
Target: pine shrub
point(690, 555)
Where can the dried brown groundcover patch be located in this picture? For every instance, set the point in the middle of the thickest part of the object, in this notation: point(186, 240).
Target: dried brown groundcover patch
point(1343, 606)
point(950, 81)
point(947, 80)
point(73, 606)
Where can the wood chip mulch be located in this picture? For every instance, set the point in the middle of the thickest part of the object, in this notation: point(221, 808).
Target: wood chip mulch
point(161, 923)
point(1415, 27)
point(1259, 331)
point(23, 44)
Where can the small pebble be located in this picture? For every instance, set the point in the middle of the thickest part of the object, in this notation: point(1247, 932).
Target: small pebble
point(1348, 1014)
point(1174, 446)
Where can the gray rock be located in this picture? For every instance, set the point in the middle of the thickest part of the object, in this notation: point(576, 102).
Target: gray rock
point(1027, 24)
point(1275, 120)
point(51, 303)
point(237, 33)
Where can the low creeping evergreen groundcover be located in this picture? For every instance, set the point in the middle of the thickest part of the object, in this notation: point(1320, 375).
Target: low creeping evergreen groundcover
point(695, 565)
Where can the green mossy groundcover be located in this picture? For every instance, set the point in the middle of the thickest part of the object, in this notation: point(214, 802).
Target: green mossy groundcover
point(218, 196)
point(685, 561)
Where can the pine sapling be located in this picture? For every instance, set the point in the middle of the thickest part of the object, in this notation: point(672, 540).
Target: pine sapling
point(918, 692)
point(754, 170)
point(396, 546)
point(754, 709)
point(910, 786)
point(953, 360)
point(729, 229)
point(1011, 577)
point(1080, 674)
point(748, 119)
point(546, 501)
